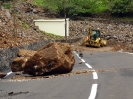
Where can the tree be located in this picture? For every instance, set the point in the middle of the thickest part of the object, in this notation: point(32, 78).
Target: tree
point(121, 7)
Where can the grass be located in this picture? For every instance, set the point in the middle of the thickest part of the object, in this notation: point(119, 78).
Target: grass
point(53, 35)
point(25, 25)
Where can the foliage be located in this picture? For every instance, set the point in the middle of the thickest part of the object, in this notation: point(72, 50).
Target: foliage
point(53, 36)
point(74, 8)
point(121, 7)
point(25, 25)
point(6, 5)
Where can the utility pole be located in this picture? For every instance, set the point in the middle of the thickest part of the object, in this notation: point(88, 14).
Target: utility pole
point(14, 18)
point(64, 4)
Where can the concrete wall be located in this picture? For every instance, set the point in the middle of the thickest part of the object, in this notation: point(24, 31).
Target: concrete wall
point(56, 26)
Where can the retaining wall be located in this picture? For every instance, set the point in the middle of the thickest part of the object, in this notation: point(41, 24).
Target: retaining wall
point(7, 55)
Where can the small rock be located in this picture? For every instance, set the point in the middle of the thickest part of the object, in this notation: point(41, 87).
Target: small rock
point(2, 75)
point(80, 62)
point(80, 54)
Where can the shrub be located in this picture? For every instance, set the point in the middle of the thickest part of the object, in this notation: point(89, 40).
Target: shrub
point(6, 5)
point(121, 7)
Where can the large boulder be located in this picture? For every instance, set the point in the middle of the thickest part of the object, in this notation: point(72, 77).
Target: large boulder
point(26, 53)
point(19, 63)
point(54, 58)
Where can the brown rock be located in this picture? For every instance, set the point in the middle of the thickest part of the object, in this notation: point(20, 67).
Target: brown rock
point(54, 58)
point(26, 53)
point(18, 64)
point(2, 75)
point(80, 62)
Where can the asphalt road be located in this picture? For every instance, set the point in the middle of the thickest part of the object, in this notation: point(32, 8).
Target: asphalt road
point(113, 77)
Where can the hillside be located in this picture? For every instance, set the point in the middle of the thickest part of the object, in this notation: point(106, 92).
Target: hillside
point(118, 33)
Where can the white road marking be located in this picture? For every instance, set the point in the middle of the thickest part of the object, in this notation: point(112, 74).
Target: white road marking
point(95, 76)
point(7, 74)
point(93, 91)
point(82, 60)
point(88, 65)
point(125, 52)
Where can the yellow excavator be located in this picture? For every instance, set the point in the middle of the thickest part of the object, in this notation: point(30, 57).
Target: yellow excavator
point(94, 39)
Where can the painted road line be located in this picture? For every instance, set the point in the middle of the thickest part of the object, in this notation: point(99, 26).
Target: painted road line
point(125, 52)
point(89, 66)
point(95, 76)
point(82, 60)
point(76, 54)
point(8, 74)
point(93, 91)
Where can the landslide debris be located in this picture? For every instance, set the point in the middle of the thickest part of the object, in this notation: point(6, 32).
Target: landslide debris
point(118, 33)
point(54, 58)
point(2, 75)
point(19, 62)
point(24, 35)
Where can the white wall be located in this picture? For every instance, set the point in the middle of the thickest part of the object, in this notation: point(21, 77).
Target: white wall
point(56, 26)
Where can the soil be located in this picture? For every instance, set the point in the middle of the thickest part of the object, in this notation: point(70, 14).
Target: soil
point(117, 33)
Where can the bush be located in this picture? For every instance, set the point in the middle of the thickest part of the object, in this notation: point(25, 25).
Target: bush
point(85, 8)
point(6, 5)
point(121, 7)
point(72, 7)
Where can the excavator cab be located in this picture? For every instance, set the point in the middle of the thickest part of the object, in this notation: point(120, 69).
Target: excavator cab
point(94, 39)
point(95, 34)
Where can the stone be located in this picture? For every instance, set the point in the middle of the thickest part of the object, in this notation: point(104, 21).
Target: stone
point(54, 58)
point(2, 75)
point(18, 64)
point(26, 53)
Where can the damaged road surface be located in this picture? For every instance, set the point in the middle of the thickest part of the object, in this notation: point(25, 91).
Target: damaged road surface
point(115, 76)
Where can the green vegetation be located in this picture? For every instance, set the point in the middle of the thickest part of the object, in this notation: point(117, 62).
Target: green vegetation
point(122, 7)
point(53, 35)
point(25, 25)
point(83, 8)
point(86, 7)
point(6, 5)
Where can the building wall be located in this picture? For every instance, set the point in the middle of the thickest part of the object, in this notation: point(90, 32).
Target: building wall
point(56, 26)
